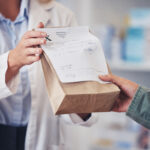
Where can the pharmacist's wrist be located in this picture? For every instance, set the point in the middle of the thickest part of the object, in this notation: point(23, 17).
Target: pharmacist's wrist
point(13, 65)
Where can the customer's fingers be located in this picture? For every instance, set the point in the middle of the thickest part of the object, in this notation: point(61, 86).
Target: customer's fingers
point(120, 107)
point(115, 107)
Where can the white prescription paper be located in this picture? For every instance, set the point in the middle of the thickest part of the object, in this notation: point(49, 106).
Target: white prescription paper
point(75, 54)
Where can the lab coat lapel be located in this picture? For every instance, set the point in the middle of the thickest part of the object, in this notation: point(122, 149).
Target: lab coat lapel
point(43, 14)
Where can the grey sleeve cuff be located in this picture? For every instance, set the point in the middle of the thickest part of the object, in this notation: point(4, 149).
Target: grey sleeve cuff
point(139, 110)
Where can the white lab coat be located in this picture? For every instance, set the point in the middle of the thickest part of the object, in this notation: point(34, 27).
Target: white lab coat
point(45, 131)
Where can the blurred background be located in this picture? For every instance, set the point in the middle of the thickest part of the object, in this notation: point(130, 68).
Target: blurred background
point(123, 26)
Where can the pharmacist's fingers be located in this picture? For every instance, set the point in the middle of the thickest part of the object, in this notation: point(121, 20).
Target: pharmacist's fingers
point(40, 25)
point(32, 59)
point(34, 42)
point(34, 34)
point(34, 51)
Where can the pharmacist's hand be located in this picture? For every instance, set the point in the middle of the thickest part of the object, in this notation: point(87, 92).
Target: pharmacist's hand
point(26, 52)
point(128, 90)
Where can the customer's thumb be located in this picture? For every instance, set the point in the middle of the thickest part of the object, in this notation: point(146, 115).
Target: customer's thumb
point(107, 78)
point(111, 78)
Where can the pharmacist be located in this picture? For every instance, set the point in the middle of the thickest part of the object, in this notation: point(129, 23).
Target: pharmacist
point(134, 99)
point(25, 112)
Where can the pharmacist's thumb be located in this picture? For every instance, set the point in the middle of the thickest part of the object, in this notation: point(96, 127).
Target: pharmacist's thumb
point(40, 25)
point(111, 78)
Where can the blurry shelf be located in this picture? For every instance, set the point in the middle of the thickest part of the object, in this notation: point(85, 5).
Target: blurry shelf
point(124, 66)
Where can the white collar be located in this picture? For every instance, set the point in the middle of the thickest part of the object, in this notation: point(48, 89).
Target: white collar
point(39, 12)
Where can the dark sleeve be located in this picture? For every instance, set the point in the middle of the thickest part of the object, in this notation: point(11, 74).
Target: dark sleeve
point(139, 110)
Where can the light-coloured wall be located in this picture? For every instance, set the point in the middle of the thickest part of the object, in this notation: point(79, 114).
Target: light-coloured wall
point(93, 12)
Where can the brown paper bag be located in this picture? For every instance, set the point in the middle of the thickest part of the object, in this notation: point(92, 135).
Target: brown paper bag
point(81, 97)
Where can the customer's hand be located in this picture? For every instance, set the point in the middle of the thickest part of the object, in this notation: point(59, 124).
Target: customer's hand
point(128, 90)
point(26, 52)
